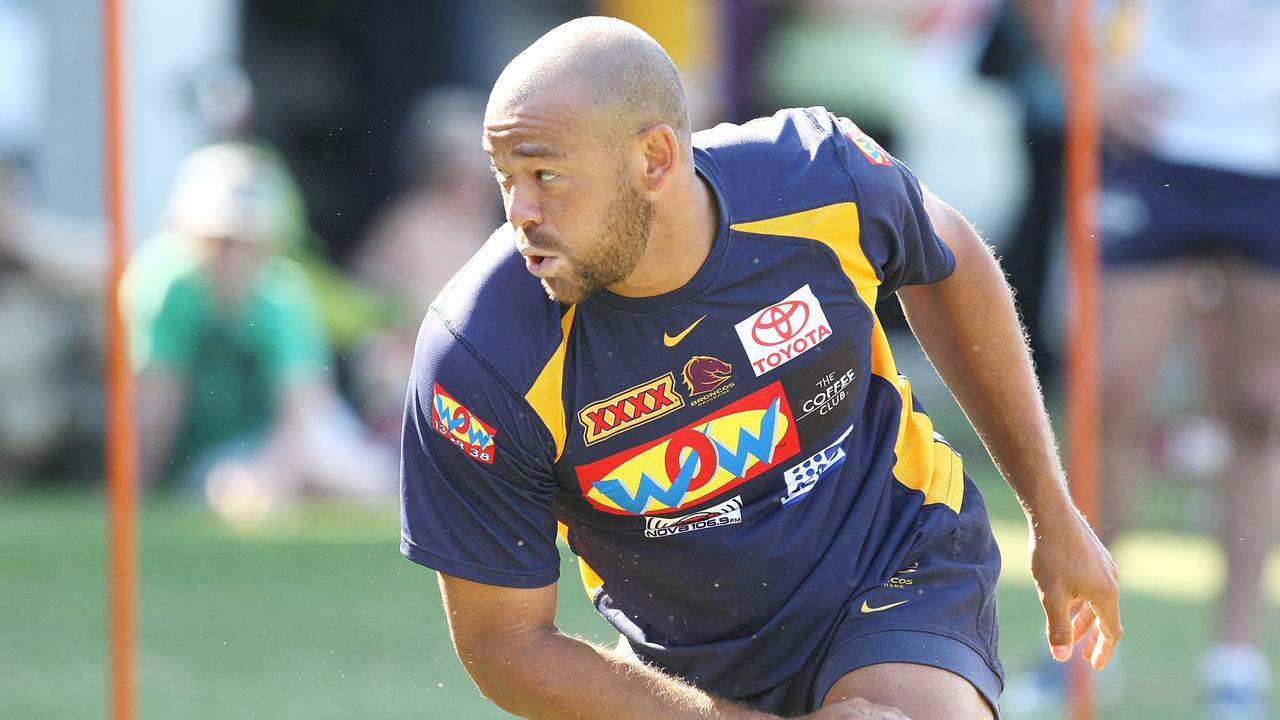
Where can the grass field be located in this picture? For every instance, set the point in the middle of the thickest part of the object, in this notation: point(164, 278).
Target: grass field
point(317, 616)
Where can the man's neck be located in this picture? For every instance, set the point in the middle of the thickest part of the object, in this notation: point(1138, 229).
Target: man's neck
point(679, 242)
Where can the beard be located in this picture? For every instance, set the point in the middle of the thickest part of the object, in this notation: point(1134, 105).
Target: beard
point(615, 253)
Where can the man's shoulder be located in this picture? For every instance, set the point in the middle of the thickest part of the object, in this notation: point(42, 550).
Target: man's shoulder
point(774, 165)
point(499, 312)
point(788, 131)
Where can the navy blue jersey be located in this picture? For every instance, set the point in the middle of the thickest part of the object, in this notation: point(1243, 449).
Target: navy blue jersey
point(731, 461)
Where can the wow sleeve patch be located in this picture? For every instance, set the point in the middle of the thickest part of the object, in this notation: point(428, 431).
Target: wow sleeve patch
point(870, 148)
point(459, 426)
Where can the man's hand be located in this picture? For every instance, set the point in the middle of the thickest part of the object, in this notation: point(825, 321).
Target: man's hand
point(1079, 586)
point(856, 709)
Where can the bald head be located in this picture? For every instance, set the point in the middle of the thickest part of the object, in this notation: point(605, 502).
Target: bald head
point(622, 77)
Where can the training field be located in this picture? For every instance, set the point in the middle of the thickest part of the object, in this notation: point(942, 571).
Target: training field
point(317, 616)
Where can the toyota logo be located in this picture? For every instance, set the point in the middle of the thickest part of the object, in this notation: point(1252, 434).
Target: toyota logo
point(780, 323)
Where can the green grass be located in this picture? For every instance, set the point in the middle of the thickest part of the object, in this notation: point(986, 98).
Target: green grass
point(318, 616)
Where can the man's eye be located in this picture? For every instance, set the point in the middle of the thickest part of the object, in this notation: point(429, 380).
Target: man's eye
point(545, 175)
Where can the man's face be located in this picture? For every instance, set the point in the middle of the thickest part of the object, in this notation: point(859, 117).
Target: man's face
point(581, 221)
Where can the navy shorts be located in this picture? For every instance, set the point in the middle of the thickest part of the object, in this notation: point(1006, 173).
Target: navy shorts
point(938, 610)
point(1153, 211)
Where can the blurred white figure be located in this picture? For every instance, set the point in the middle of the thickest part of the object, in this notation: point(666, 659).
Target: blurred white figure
point(907, 74)
point(1191, 107)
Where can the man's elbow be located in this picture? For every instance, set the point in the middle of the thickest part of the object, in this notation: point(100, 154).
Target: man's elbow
point(502, 667)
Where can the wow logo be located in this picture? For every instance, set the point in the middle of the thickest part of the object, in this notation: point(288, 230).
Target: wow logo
point(455, 422)
point(870, 148)
point(698, 462)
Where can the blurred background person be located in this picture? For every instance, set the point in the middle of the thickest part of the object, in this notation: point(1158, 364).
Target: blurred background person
point(235, 394)
point(419, 239)
point(51, 279)
point(221, 96)
point(1190, 215)
point(51, 270)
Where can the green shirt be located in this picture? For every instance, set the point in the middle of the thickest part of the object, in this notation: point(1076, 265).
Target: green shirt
point(235, 361)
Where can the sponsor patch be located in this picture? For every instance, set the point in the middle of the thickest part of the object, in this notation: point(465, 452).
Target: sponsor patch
point(783, 331)
point(870, 148)
point(802, 478)
point(833, 389)
point(630, 408)
point(728, 512)
point(698, 462)
point(819, 391)
point(707, 378)
point(456, 424)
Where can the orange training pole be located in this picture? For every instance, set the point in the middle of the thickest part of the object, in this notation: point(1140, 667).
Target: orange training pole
point(122, 469)
point(1082, 159)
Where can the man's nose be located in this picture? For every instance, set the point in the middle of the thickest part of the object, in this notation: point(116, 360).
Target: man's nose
point(523, 208)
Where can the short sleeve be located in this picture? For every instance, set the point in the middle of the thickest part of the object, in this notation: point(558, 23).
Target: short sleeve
point(896, 233)
point(476, 481)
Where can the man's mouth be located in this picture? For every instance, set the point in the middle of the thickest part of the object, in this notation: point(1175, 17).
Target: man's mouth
point(536, 259)
point(539, 264)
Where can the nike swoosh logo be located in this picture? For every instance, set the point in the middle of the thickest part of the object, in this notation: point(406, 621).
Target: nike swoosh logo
point(868, 609)
point(673, 341)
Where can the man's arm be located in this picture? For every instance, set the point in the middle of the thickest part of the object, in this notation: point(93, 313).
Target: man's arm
point(508, 641)
point(968, 327)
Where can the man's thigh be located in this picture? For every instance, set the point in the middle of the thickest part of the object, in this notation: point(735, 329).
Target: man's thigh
point(921, 692)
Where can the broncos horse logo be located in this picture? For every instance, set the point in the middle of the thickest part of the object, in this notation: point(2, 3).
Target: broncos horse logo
point(704, 373)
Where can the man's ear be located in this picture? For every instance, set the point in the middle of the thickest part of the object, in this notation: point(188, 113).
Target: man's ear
point(661, 152)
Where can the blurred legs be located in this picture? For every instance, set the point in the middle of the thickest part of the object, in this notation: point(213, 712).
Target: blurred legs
point(1143, 312)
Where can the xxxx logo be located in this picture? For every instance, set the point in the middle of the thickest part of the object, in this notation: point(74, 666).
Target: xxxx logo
point(455, 422)
point(630, 408)
point(698, 462)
